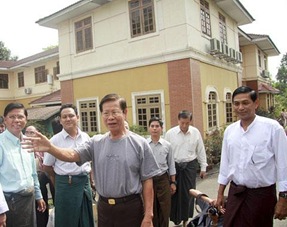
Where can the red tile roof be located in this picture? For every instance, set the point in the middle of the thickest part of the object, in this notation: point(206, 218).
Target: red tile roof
point(267, 88)
point(42, 113)
point(52, 98)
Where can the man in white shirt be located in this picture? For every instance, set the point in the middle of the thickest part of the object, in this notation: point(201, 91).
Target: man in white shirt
point(253, 159)
point(72, 182)
point(3, 208)
point(188, 148)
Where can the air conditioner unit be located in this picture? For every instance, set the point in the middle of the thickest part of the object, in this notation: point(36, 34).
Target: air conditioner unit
point(28, 91)
point(50, 79)
point(239, 57)
point(232, 54)
point(265, 74)
point(225, 51)
point(215, 47)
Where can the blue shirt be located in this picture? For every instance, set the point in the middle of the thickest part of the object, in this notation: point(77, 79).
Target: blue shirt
point(17, 166)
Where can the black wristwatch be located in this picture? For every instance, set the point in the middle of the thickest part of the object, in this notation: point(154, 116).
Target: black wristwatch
point(173, 182)
point(283, 195)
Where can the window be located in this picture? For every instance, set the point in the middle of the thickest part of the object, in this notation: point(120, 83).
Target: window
point(40, 75)
point(259, 58)
point(147, 106)
point(228, 108)
point(56, 71)
point(212, 110)
point(88, 113)
point(222, 29)
point(21, 79)
point(84, 37)
point(4, 81)
point(142, 19)
point(205, 18)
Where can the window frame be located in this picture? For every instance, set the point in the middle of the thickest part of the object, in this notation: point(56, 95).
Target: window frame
point(80, 28)
point(222, 28)
point(40, 73)
point(141, 18)
point(4, 81)
point(161, 105)
point(205, 18)
point(97, 115)
point(20, 77)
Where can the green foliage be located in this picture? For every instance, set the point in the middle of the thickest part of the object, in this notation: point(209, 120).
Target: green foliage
point(213, 145)
point(262, 112)
point(5, 53)
point(139, 130)
point(49, 47)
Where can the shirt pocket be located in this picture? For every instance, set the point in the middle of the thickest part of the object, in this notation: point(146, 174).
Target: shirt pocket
point(260, 157)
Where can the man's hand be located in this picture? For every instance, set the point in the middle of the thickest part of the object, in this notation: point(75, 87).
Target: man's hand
point(38, 143)
point(202, 174)
point(147, 221)
point(41, 205)
point(281, 209)
point(3, 220)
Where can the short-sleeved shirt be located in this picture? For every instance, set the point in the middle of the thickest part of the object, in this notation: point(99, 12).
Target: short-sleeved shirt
point(64, 140)
point(164, 156)
point(120, 165)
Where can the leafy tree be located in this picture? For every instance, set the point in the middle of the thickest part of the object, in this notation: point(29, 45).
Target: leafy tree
point(5, 53)
point(281, 76)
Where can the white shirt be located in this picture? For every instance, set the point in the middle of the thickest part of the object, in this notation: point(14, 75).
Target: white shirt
point(187, 146)
point(256, 157)
point(3, 204)
point(64, 140)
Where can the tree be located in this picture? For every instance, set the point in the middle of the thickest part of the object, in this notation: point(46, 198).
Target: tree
point(5, 53)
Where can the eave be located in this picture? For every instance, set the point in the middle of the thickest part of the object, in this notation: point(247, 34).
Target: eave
point(235, 10)
point(70, 12)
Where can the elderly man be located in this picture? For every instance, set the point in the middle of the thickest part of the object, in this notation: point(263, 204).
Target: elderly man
point(123, 167)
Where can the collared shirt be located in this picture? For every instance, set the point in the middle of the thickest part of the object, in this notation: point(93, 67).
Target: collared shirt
point(163, 155)
point(187, 146)
point(64, 140)
point(256, 157)
point(3, 204)
point(17, 166)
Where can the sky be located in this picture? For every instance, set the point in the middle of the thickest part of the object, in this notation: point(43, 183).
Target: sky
point(24, 37)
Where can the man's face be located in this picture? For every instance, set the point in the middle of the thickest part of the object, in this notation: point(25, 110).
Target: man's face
point(155, 129)
point(244, 107)
point(15, 121)
point(2, 128)
point(69, 119)
point(184, 124)
point(30, 131)
point(114, 117)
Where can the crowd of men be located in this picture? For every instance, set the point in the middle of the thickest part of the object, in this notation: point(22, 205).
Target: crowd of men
point(140, 182)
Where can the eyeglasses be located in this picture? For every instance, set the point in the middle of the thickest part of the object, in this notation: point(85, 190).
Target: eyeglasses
point(14, 117)
point(114, 113)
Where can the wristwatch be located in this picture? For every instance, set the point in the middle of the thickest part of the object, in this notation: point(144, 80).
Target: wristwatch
point(283, 195)
point(173, 182)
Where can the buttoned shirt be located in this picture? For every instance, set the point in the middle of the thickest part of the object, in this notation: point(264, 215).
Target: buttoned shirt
point(17, 166)
point(3, 204)
point(163, 155)
point(64, 140)
point(187, 146)
point(256, 157)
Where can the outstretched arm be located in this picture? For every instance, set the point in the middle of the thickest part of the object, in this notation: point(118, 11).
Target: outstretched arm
point(41, 143)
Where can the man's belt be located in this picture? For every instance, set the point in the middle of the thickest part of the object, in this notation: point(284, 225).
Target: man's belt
point(114, 201)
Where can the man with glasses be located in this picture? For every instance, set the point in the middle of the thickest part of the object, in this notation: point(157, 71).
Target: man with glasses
point(18, 175)
point(123, 167)
point(72, 182)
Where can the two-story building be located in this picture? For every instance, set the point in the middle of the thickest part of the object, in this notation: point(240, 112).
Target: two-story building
point(162, 56)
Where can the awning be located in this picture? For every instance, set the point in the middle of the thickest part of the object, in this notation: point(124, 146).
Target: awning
point(42, 113)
